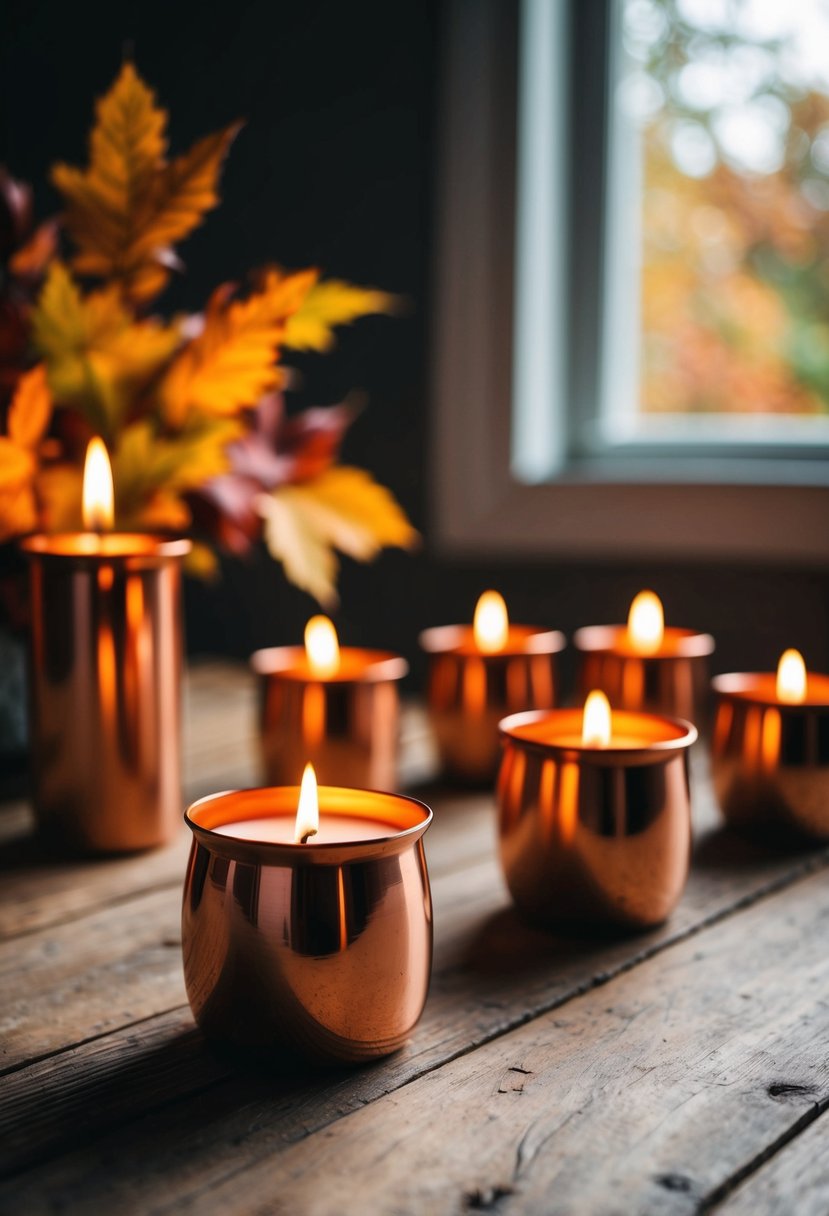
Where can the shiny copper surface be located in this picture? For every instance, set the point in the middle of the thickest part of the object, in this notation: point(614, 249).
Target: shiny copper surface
point(105, 673)
point(673, 681)
point(594, 837)
point(347, 725)
point(470, 692)
point(770, 761)
point(323, 950)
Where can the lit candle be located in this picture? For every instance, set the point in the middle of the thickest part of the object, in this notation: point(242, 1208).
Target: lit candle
point(307, 922)
point(306, 827)
point(335, 706)
point(480, 673)
point(770, 749)
point(105, 663)
point(644, 664)
point(595, 824)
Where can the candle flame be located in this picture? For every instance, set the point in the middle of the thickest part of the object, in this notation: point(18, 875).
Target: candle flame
point(98, 493)
point(491, 623)
point(322, 647)
point(595, 730)
point(791, 678)
point(646, 622)
point(308, 808)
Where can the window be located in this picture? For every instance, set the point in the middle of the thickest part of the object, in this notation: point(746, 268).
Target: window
point(718, 223)
point(624, 353)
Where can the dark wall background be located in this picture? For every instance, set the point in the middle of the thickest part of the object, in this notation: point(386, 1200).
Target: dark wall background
point(336, 167)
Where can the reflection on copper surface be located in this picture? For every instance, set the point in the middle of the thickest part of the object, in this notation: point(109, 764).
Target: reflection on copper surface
point(594, 837)
point(772, 726)
point(347, 726)
point(474, 687)
point(469, 692)
point(672, 680)
point(568, 801)
point(770, 762)
point(105, 663)
point(323, 950)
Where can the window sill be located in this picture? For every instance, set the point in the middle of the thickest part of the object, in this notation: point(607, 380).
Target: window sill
point(680, 513)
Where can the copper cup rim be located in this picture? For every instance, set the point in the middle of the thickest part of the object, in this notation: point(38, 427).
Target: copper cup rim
point(284, 662)
point(274, 853)
point(735, 686)
point(154, 548)
point(603, 639)
point(535, 639)
point(660, 749)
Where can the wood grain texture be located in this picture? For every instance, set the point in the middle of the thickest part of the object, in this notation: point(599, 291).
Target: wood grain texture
point(112, 1101)
point(795, 1182)
point(643, 1097)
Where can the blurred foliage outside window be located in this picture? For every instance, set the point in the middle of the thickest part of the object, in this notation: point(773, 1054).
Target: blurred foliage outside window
point(732, 101)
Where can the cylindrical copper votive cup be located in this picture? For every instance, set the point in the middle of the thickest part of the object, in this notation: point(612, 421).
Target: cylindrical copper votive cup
point(595, 837)
point(320, 949)
point(105, 690)
point(347, 725)
point(673, 681)
point(770, 760)
point(469, 692)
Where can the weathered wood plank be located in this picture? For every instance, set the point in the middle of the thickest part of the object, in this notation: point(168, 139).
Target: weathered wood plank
point(491, 975)
point(642, 1097)
point(794, 1181)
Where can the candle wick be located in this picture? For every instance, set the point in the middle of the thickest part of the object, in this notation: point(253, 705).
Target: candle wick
point(304, 839)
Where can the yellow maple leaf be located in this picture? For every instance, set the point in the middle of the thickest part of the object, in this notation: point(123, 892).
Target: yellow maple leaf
point(29, 414)
point(97, 356)
point(329, 304)
point(125, 210)
point(232, 362)
point(151, 471)
point(344, 508)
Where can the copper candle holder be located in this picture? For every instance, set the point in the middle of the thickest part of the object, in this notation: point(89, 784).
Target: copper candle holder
point(321, 949)
point(672, 681)
point(105, 674)
point(470, 691)
point(595, 836)
point(346, 724)
point(770, 759)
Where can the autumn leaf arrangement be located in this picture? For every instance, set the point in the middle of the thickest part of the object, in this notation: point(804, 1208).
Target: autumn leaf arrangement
point(191, 408)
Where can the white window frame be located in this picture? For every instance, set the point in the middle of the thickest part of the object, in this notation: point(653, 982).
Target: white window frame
point(527, 482)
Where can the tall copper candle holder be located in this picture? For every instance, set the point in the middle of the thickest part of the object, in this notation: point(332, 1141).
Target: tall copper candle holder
point(469, 691)
point(319, 949)
point(105, 673)
point(673, 680)
point(595, 837)
point(770, 758)
point(345, 723)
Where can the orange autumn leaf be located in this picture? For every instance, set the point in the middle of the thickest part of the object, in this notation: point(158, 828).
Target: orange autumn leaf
point(232, 362)
point(31, 409)
point(29, 415)
point(128, 207)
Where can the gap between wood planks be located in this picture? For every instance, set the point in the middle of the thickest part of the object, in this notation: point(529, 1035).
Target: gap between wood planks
point(800, 1165)
point(351, 1093)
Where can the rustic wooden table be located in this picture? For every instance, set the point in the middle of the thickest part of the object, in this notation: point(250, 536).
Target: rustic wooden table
point(681, 1071)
